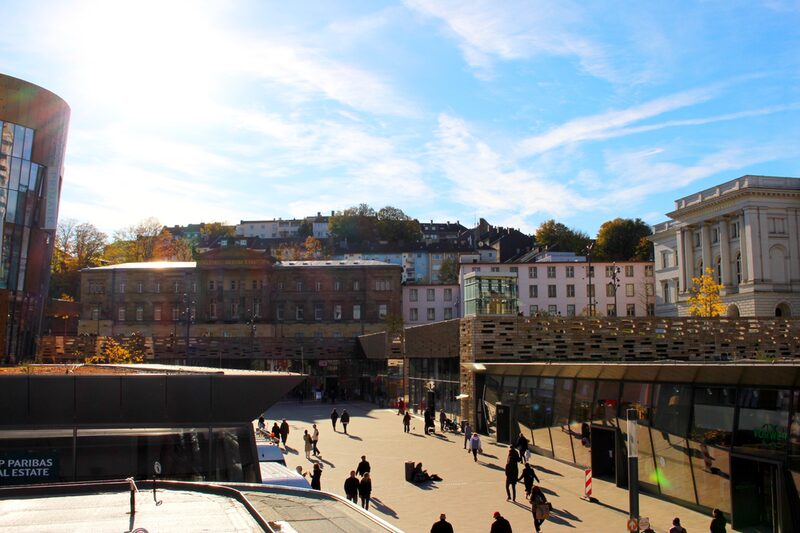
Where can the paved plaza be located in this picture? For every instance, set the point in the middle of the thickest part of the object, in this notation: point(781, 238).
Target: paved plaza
point(470, 492)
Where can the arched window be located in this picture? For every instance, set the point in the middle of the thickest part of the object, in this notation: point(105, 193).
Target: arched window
point(738, 268)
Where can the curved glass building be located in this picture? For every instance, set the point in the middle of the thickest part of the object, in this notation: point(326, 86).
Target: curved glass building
point(33, 137)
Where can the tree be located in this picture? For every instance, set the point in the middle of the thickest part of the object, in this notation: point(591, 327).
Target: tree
point(448, 271)
point(114, 353)
point(141, 239)
point(355, 224)
point(214, 230)
point(169, 248)
point(305, 229)
point(621, 239)
point(705, 300)
point(395, 226)
point(77, 246)
point(556, 236)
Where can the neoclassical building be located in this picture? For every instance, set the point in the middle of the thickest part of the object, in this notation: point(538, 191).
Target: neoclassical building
point(33, 137)
point(748, 231)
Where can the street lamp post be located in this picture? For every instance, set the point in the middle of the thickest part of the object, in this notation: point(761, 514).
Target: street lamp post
point(633, 463)
point(615, 281)
point(589, 288)
point(188, 313)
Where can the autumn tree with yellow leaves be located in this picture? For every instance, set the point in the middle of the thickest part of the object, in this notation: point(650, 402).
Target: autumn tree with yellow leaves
point(705, 300)
point(114, 353)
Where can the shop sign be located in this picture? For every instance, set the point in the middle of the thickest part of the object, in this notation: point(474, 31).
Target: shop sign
point(771, 433)
point(22, 468)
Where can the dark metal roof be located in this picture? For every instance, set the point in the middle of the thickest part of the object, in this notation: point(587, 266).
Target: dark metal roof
point(735, 373)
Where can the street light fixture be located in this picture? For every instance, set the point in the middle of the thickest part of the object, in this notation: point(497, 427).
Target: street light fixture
point(590, 287)
point(615, 283)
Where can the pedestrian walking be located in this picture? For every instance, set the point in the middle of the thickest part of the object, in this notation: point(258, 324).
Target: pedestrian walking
point(316, 477)
point(442, 526)
point(512, 453)
point(407, 422)
point(467, 435)
point(512, 475)
point(522, 447)
point(678, 528)
point(314, 441)
point(345, 420)
point(261, 424)
point(284, 432)
point(363, 467)
point(351, 487)
point(527, 477)
point(401, 406)
point(334, 418)
point(276, 432)
point(307, 444)
point(718, 523)
point(442, 420)
point(500, 524)
point(475, 446)
point(540, 509)
point(365, 490)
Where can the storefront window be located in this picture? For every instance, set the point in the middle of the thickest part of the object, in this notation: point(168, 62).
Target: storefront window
point(559, 431)
point(670, 424)
point(637, 396)
point(542, 413)
point(763, 420)
point(794, 443)
point(580, 421)
point(710, 438)
point(606, 402)
point(527, 388)
point(491, 395)
point(29, 457)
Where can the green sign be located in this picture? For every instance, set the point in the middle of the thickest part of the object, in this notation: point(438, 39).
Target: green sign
point(771, 433)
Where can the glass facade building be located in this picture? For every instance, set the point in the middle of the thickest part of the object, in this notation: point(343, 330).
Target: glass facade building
point(707, 445)
point(33, 131)
point(490, 294)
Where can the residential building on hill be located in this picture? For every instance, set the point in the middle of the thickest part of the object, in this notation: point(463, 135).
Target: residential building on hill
point(426, 303)
point(747, 231)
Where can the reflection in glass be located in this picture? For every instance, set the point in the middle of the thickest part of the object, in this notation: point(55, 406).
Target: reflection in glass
point(581, 420)
point(491, 395)
point(710, 439)
point(763, 420)
point(670, 420)
point(542, 413)
point(559, 431)
point(637, 396)
point(605, 407)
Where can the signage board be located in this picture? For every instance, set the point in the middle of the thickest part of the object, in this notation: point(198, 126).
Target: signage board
point(21, 468)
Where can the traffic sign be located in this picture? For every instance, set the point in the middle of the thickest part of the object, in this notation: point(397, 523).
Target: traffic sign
point(633, 524)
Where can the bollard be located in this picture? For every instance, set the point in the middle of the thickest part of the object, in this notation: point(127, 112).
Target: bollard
point(587, 484)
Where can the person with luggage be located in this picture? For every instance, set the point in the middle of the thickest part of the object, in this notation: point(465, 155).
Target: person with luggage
point(539, 507)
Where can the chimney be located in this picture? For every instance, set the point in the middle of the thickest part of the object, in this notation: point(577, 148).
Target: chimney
point(319, 214)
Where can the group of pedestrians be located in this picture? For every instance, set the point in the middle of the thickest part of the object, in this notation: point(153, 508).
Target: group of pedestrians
point(278, 433)
point(311, 441)
point(355, 488)
point(344, 419)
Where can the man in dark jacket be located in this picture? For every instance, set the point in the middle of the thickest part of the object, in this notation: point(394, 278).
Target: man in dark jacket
point(442, 526)
point(363, 467)
point(345, 420)
point(500, 524)
point(351, 487)
point(284, 432)
point(522, 447)
point(334, 418)
point(512, 475)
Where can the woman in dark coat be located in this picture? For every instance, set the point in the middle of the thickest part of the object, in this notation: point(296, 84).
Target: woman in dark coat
point(316, 477)
point(528, 477)
point(334, 418)
point(345, 419)
point(365, 490)
point(537, 498)
point(512, 475)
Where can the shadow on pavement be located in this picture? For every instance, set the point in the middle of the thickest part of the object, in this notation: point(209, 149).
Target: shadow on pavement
point(493, 466)
point(321, 460)
point(354, 437)
point(415, 435)
point(291, 450)
point(547, 471)
point(518, 504)
point(548, 491)
point(607, 506)
point(488, 455)
point(427, 485)
point(565, 514)
point(382, 508)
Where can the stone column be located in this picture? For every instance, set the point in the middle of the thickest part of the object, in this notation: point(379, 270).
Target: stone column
point(679, 258)
point(747, 233)
point(725, 252)
point(705, 246)
point(763, 259)
point(793, 227)
point(688, 260)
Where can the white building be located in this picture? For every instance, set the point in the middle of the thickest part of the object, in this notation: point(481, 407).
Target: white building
point(563, 288)
point(423, 304)
point(748, 231)
point(283, 229)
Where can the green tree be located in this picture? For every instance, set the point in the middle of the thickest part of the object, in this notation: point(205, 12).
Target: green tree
point(395, 226)
point(355, 224)
point(213, 230)
point(621, 239)
point(556, 236)
point(448, 272)
point(305, 229)
point(705, 300)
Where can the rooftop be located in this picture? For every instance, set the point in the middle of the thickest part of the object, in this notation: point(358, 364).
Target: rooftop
point(334, 263)
point(132, 369)
point(152, 265)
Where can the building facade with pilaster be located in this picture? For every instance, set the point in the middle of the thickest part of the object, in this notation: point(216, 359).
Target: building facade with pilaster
point(748, 231)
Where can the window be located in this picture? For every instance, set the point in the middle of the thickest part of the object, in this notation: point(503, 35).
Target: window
point(590, 290)
point(551, 272)
point(139, 287)
point(551, 291)
point(337, 311)
point(431, 295)
point(413, 314)
point(648, 271)
point(337, 285)
point(412, 295)
point(235, 310)
point(298, 286)
point(139, 313)
point(630, 310)
point(610, 271)
point(651, 309)
point(448, 313)
point(211, 285)
point(176, 287)
point(121, 313)
point(532, 272)
point(628, 271)
point(610, 289)
point(176, 313)
point(122, 287)
point(735, 230)
point(715, 234)
point(382, 310)
point(448, 295)
point(570, 271)
point(318, 286)
point(158, 286)
point(380, 285)
point(629, 290)
point(665, 258)
point(533, 291)
point(718, 269)
point(318, 311)
point(256, 308)
point(533, 309)
point(570, 309)
point(738, 268)
point(357, 312)
point(431, 313)
point(777, 225)
point(254, 285)
point(514, 269)
point(667, 293)
point(591, 271)
point(96, 312)
point(696, 238)
point(570, 291)
point(552, 309)
point(649, 289)
point(495, 269)
point(96, 287)
point(298, 312)
point(611, 310)
point(278, 311)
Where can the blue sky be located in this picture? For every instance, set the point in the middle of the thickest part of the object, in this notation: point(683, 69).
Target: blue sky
point(450, 110)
